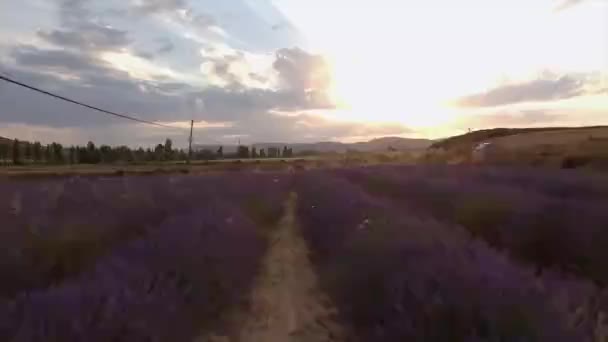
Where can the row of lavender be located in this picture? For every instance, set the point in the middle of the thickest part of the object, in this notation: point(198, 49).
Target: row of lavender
point(550, 219)
point(130, 259)
point(397, 276)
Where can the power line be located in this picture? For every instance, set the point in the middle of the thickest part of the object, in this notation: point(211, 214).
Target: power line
point(124, 116)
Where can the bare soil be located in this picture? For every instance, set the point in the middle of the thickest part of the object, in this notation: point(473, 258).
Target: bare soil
point(286, 302)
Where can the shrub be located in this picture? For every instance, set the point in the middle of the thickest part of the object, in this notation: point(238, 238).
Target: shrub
point(130, 259)
point(559, 222)
point(573, 162)
point(395, 277)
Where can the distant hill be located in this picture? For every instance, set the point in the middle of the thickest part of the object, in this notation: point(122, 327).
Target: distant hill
point(375, 145)
point(566, 147)
point(466, 140)
point(5, 140)
point(400, 144)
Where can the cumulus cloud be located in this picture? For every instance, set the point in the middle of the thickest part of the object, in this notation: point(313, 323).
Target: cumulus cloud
point(62, 60)
point(89, 60)
point(166, 47)
point(304, 73)
point(234, 68)
point(89, 80)
point(98, 83)
point(83, 31)
point(299, 127)
point(88, 36)
point(194, 23)
point(154, 6)
point(538, 90)
point(513, 118)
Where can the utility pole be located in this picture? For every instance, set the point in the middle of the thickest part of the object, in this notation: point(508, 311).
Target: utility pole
point(190, 141)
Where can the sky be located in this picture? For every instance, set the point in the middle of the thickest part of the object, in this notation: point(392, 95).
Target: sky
point(299, 71)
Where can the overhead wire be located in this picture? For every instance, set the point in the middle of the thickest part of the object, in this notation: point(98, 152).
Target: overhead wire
point(123, 116)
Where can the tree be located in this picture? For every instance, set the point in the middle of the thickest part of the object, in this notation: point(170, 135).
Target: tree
point(168, 149)
point(123, 153)
point(37, 152)
point(262, 153)
point(254, 152)
point(149, 154)
point(57, 152)
point(204, 154)
point(105, 154)
point(16, 154)
point(48, 154)
point(220, 152)
point(181, 155)
point(83, 155)
point(242, 152)
point(139, 155)
point(273, 152)
point(93, 156)
point(159, 152)
point(4, 152)
point(285, 152)
point(27, 151)
point(73, 155)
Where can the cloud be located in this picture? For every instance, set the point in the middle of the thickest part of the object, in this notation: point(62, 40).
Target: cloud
point(199, 20)
point(513, 118)
point(250, 111)
point(533, 91)
point(194, 23)
point(88, 36)
point(99, 57)
point(62, 60)
point(97, 83)
point(166, 47)
point(89, 80)
point(84, 31)
point(305, 75)
point(302, 71)
point(145, 55)
point(299, 127)
point(228, 67)
point(155, 6)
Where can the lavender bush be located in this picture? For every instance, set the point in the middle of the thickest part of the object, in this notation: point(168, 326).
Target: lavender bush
point(164, 287)
point(131, 259)
point(531, 222)
point(396, 277)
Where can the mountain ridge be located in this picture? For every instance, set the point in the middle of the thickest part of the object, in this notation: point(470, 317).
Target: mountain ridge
point(374, 145)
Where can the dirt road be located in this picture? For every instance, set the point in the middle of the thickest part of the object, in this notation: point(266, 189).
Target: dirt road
point(287, 304)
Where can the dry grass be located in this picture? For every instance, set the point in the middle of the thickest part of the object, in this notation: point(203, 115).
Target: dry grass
point(553, 147)
point(560, 138)
point(197, 167)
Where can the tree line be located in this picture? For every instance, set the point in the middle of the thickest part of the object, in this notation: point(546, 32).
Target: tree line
point(22, 152)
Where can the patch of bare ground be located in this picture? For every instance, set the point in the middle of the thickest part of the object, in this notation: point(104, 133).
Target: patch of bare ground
point(286, 303)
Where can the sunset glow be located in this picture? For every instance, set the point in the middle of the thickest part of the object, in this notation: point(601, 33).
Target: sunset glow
point(407, 61)
point(318, 70)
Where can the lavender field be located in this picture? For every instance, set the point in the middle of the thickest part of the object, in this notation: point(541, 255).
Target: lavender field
point(130, 259)
point(399, 253)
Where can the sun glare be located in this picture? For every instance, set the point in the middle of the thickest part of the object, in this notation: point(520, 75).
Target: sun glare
point(365, 90)
point(405, 62)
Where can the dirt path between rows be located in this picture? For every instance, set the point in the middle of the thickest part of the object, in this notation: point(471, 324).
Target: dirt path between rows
point(287, 304)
